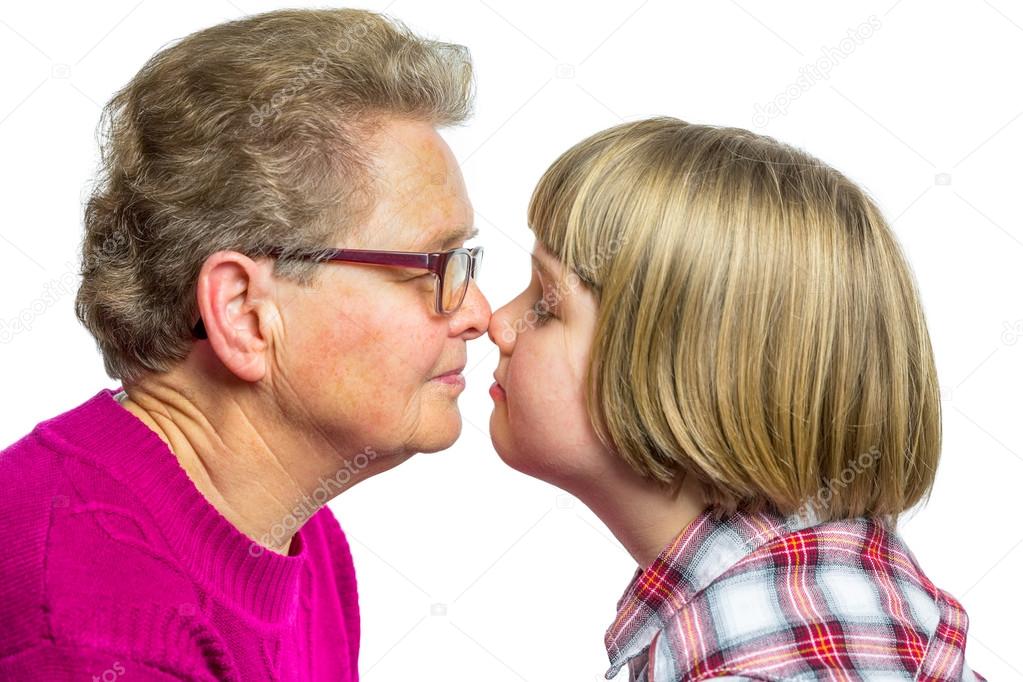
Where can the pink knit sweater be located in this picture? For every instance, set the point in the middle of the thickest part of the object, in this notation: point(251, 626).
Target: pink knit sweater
point(114, 564)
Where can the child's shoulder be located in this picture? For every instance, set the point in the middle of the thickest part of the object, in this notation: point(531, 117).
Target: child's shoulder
point(844, 594)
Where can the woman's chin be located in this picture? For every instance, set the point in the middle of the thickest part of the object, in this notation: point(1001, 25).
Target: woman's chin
point(442, 433)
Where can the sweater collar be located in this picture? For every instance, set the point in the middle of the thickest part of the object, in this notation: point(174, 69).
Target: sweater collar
point(217, 554)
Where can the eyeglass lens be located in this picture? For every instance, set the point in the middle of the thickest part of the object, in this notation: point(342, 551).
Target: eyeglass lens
point(456, 280)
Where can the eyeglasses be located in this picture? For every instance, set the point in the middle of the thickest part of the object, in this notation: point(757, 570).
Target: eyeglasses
point(453, 269)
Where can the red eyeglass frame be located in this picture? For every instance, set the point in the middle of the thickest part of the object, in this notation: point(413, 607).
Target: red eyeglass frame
point(434, 261)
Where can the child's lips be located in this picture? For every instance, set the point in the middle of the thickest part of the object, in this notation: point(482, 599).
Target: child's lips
point(497, 391)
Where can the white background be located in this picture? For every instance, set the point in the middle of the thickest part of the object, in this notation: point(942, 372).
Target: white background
point(468, 570)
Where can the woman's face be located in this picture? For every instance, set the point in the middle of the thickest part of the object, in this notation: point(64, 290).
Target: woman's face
point(366, 351)
point(539, 425)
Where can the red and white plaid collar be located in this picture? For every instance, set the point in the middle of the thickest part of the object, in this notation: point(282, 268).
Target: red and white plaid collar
point(704, 550)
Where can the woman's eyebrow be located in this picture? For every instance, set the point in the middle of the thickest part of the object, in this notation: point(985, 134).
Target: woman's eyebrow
point(447, 240)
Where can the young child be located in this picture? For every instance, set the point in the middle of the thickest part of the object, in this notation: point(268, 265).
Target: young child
point(722, 352)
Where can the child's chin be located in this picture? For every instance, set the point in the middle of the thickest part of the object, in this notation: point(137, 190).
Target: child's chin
point(530, 464)
point(503, 445)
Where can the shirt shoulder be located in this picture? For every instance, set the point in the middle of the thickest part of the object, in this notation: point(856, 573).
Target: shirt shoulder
point(843, 595)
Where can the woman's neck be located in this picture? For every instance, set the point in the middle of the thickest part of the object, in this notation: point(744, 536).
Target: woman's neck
point(266, 481)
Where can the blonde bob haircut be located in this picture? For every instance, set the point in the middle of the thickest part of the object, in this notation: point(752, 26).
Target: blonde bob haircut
point(758, 325)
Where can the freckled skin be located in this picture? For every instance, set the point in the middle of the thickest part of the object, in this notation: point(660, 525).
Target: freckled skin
point(364, 361)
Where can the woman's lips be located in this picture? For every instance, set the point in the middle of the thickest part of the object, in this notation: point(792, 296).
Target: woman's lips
point(455, 379)
point(452, 376)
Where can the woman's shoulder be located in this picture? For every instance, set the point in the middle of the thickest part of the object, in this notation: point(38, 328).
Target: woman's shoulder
point(84, 574)
point(76, 536)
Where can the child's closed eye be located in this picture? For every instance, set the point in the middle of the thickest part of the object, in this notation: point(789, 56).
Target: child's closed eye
point(543, 311)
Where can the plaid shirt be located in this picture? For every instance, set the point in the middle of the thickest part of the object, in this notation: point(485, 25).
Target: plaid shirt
point(762, 597)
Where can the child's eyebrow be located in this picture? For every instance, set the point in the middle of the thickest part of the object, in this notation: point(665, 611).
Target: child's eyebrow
point(544, 272)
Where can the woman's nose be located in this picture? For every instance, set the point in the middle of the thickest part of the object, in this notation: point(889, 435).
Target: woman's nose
point(474, 312)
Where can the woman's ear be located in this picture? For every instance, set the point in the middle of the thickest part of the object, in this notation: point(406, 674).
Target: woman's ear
point(233, 294)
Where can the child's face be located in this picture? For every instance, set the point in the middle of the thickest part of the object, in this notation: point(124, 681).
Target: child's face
point(539, 425)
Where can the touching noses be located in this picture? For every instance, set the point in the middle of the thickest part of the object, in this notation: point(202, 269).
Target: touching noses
point(473, 317)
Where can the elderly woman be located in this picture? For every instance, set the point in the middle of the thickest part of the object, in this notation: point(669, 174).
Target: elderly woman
point(274, 269)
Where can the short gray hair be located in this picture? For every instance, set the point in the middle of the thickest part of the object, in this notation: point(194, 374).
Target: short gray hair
point(243, 136)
